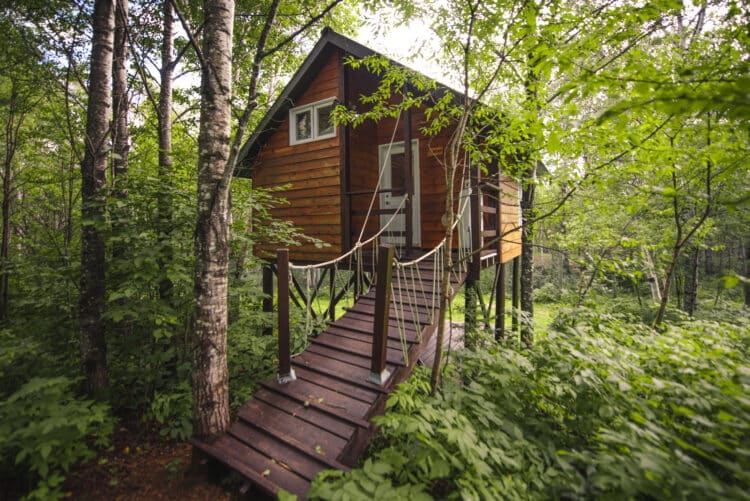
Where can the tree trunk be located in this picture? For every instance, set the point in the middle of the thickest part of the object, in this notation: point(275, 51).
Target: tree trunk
point(11, 141)
point(690, 296)
point(527, 258)
point(653, 278)
point(210, 378)
point(746, 271)
point(528, 187)
point(120, 135)
point(119, 212)
point(164, 116)
point(93, 197)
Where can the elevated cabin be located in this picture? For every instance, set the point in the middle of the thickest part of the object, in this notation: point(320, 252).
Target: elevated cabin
point(333, 171)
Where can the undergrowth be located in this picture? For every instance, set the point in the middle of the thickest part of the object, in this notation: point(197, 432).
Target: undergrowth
point(601, 407)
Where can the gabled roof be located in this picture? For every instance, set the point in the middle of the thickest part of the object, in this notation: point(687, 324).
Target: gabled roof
point(328, 41)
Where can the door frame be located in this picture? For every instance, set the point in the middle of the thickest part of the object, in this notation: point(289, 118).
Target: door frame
point(385, 163)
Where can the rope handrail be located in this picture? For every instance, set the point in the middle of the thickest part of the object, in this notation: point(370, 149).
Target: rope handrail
point(357, 245)
point(404, 264)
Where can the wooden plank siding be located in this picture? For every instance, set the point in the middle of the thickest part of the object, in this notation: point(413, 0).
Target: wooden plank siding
point(363, 157)
point(313, 172)
point(315, 198)
point(509, 215)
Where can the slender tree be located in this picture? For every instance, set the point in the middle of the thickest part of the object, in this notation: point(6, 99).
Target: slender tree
point(164, 116)
point(210, 389)
point(94, 180)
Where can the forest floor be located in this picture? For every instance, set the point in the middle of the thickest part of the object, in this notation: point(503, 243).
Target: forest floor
point(140, 467)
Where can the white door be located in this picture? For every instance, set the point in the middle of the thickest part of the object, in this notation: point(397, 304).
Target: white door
point(391, 159)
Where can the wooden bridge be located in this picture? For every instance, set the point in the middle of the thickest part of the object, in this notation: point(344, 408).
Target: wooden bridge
point(293, 428)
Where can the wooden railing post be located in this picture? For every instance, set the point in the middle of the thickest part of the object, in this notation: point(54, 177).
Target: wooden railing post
point(378, 373)
point(286, 373)
point(268, 299)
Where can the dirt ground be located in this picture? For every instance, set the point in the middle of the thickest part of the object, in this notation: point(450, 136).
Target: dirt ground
point(146, 468)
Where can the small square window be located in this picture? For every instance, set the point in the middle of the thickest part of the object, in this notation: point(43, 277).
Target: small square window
point(312, 122)
point(303, 125)
point(325, 124)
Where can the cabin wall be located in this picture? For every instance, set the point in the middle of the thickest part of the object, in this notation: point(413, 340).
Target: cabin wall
point(363, 158)
point(510, 219)
point(432, 151)
point(313, 172)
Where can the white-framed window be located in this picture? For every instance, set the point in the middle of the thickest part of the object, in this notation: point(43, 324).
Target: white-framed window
point(312, 122)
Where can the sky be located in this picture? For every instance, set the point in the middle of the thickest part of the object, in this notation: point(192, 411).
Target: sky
point(410, 44)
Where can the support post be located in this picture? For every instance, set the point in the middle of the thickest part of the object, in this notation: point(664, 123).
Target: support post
point(408, 181)
point(500, 302)
point(268, 299)
point(516, 296)
point(332, 292)
point(378, 373)
point(476, 225)
point(470, 314)
point(286, 373)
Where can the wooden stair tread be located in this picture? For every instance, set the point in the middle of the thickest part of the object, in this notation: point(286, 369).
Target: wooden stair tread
point(339, 370)
point(280, 451)
point(354, 358)
point(366, 327)
point(274, 420)
point(256, 467)
point(307, 391)
point(360, 348)
point(343, 332)
point(306, 412)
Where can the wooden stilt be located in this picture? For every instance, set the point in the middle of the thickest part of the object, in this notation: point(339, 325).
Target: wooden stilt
point(332, 292)
point(286, 373)
point(516, 295)
point(500, 302)
point(268, 300)
point(470, 314)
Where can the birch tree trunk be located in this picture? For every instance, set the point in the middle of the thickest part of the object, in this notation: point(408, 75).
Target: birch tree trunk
point(210, 379)
point(120, 135)
point(164, 117)
point(94, 179)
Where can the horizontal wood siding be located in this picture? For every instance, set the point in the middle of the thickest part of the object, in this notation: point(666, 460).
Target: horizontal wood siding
point(509, 215)
point(432, 173)
point(312, 172)
point(363, 158)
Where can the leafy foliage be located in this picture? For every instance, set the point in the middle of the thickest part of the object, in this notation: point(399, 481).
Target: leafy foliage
point(602, 406)
point(45, 428)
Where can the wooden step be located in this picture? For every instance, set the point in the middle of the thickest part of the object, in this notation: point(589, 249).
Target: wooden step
point(256, 467)
point(302, 435)
point(360, 336)
point(308, 391)
point(339, 370)
point(366, 327)
point(360, 348)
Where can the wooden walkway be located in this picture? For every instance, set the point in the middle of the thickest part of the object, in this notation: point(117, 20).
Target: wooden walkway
point(287, 433)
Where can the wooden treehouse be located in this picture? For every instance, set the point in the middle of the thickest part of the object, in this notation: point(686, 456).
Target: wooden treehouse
point(375, 194)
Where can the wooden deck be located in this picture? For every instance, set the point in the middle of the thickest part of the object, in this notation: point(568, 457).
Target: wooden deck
point(287, 433)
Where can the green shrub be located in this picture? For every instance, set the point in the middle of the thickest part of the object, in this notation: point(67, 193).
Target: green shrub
point(601, 407)
point(547, 293)
point(45, 428)
point(173, 411)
